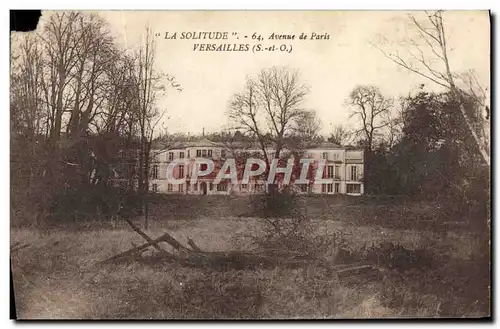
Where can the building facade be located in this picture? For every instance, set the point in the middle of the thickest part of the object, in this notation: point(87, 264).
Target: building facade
point(342, 169)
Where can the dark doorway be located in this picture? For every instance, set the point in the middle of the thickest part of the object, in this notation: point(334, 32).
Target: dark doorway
point(204, 188)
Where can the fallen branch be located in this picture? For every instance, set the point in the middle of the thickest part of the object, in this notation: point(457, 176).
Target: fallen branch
point(150, 242)
point(193, 245)
point(137, 249)
point(144, 235)
point(233, 259)
point(353, 268)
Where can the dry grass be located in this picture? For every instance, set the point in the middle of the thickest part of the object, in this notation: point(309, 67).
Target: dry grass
point(55, 277)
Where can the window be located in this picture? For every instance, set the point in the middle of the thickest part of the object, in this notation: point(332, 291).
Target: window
point(209, 153)
point(198, 153)
point(204, 153)
point(258, 187)
point(354, 173)
point(353, 188)
point(211, 186)
point(323, 188)
point(203, 166)
point(155, 171)
point(330, 172)
point(181, 171)
point(330, 188)
point(336, 156)
point(155, 187)
point(189, 154)
point(170, 156)
point(181, 155)
point(325, 155)
point(181, 188)
point(337, 188)
point(169, 188)
point(303, 187)
point(337, 172)
point(222, 187)
point(244, 186)
point(223, 153)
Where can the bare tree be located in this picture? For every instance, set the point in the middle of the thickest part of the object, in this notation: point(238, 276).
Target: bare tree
point(245, 113)
point(479, 115)
point(27, 108)
point(281, 95)
point(307, 127)
point(75, 90)
point(422, 60)
point(26, 88)
point(340, 135)
point(269, 108)
point(119, 98)
point(148, 87)
point(370, 108)
point(95, 52)
point(395, 123)
point(61, 49)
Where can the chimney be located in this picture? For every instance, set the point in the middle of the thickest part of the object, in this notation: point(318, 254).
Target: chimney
point(203, 133)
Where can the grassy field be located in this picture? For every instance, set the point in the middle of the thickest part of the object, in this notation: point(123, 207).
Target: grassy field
point(55, 276)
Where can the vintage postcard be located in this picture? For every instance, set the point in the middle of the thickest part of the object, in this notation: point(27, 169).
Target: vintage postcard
point(251, 165)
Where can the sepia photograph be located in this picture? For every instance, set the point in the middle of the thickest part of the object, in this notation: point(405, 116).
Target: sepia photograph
point(258, 165)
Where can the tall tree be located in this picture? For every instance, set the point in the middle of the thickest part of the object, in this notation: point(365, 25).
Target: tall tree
point(76, 99)
point(61, 49)
point(431, 61)
point(149, 84)
point(269, 108)
point(307, 127)
point(96, 51)
point(369, 107)
point(27, 110)
point(340, 135)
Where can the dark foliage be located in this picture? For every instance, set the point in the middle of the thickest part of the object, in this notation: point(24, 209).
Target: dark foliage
point(435, 159)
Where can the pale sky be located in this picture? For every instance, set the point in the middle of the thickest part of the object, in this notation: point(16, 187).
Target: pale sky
point(331, 68)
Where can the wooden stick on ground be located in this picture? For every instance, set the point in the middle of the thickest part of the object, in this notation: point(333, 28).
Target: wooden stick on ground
point(137, 249)
point(144, 235)
point(193, 245)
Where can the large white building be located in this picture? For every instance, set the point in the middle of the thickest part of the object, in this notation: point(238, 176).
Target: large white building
point(343, 168)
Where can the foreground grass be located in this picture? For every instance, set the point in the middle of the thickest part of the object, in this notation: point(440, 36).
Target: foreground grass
point(55, 277)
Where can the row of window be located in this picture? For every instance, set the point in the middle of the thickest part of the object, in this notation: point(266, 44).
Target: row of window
point(202, 153)
point(328, 188)
point(353, 188)
point(222, 187)
point(156, 170)
point(336, 156)
point(350, 188)
point(171, 155)
point(332, 172)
